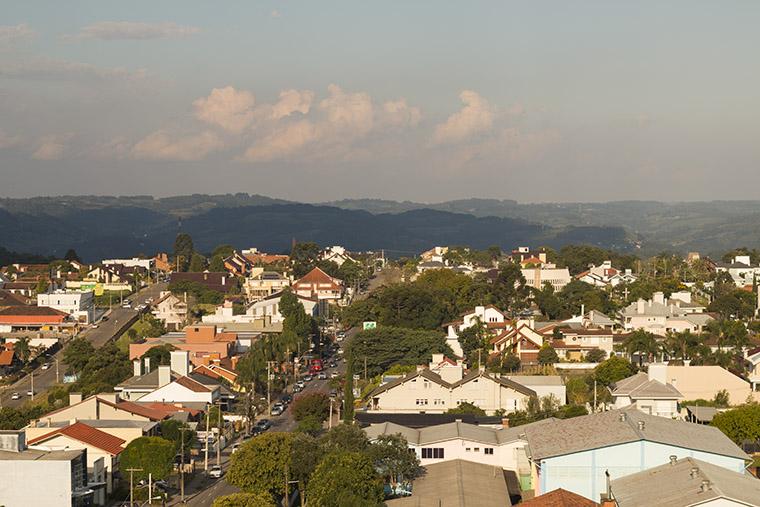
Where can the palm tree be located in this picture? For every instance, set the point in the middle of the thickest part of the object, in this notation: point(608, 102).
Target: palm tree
point(681, 344)
point(642, 343)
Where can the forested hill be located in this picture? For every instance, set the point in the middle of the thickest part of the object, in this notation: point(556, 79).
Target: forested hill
point(106, 227)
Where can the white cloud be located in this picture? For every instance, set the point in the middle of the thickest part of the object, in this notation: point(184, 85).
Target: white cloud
point(161, 146)
point(130, 30)
point(227, 108)
point(282, 142)
point(275, 14)
point(292, 101)
point(349, 112)
point(10, 34)
point(8, 141)
point(46, 68)
point(476, 116)
point(397, 113)
point(52, 147)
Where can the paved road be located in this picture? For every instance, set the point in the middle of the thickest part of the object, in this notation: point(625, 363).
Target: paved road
point(106, 330)
point(213, 488)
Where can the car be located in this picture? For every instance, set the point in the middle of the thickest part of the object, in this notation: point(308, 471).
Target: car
point(15, 396)
point(287, 399)
point(95, 326)
point(264, 424)
point(297, 388)
point(30, 393)
point(215, 472)
point(333, 364)
point(333, 393)
point(235, 448)
point(334, 374)
point(46, 366)
point(321, 376)
point(105, 318)
point(308, 378)
point(276, 410)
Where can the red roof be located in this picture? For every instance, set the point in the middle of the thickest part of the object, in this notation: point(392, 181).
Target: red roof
point(87, 435)
point(6, 357)
point(193, 385)
point(317, 276)
point(31, 315)
point(134, 408)
point(559, 498)
point(169, 408)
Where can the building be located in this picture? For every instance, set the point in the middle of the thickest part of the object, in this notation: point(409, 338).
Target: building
point(648, 393)
point(543, 385)
point(661, 315)
point(536, 277)
point(237, 264)
point(704, 382)
point(457, 482)
point(605, 275)
point(489, 316)
point(262, 259)
point(79, 305)
point(336, 254)
point(574, 454)
point(742, 272)
point(686, 482)
point(317, 284)
point(204, 342)
point(269, 307)
point(171, 310)
point(522, 340)
point(426, 392)
point(33, 477)
point(753, 356)
point(134, 262)
point(10, 299)
point(100, 446)
point(559, 498)
point(35, 319)
point(262, 284)
point(220, 282)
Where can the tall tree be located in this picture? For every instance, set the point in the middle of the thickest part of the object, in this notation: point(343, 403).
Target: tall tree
point(71, 255)
point(152, 455)
point(262, 463)
point(348, 393)
point(304, 257)
point(183, 250)
point(345, 479)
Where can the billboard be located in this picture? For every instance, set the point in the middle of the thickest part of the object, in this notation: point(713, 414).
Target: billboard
point(369, 325)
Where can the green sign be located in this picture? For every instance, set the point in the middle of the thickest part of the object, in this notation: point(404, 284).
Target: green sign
point(369, 325)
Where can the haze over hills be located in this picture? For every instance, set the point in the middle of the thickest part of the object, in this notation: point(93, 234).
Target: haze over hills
point(103, 226)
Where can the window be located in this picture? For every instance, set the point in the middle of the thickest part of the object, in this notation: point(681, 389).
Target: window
point(488, 450)
point(477, 449)
point(467, 449)
point(432, 453)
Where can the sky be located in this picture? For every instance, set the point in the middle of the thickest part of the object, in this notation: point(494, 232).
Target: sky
point(409, 100)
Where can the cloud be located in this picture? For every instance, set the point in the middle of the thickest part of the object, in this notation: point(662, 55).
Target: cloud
point(51, 69)
point(10, 34)
point(275, 14)
point(160, 146)
point(8, 141)
point(227, 108)
point(399, 114)
point(476, 116)
point(292, 101)
point(282, 142)
point(352, 113)
point(130, 30)
point(52, 147)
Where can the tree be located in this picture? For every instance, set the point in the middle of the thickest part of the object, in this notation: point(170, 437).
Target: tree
point(244, 500)
point(216, 264)
point(739, 424)
point(173, 430)
point(22, 348)
point(348, 393)
point(596, 355)
point(547, 355)
point(722, 399)
point(548, 302)
point(315, 405)
point(183, 250)
point(310, 425)
point(42, 286)
point(223, 251)
point(345, 479)
point(71, 255)
point(613, 369)
point(344, 437)
point(197, 263)
point(154, 455)
point(304, 257)
point(511, 363)
point(77, 353)
point(159, 355)
point(261, 463)
point(642, 343)
point(392, 459)
point(467, 408)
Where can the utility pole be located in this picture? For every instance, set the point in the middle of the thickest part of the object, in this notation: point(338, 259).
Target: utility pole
point(56, 372)
point(31, 375)
point(365, 368)
point(219, 438)
point(269, 387)
point(208, 416)
point(329, 421)
point(131, 484)
point(182, 465)
point(594, 394)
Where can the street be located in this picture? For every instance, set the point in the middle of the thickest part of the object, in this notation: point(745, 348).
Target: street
point(98, 336)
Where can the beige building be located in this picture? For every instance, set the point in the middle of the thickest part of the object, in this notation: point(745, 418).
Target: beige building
point(262, 284)
point(704, 382)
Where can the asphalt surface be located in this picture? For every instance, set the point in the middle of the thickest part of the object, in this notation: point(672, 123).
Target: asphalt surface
point(210, 489)
point(105, 331)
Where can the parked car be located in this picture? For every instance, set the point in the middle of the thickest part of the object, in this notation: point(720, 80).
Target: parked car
point(277, 410)
point(30, 393)
point(46, 366)
point(308, 378)
point(264, 424)
point(287, 399)
point(215, 471)
point(321, 376)
point(15, 396)
point(334, 374)
point(297, 388)
point(235, 448)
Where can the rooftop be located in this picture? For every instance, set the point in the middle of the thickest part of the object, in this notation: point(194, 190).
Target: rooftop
point(87, 435)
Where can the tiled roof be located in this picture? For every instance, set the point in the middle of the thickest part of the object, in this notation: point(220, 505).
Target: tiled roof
point(137, 409)
point(426, 373)
point(559, 498)
point(6, 357)
point(193, 385)
point(32, 311)
point(87, 435)
point(317, 276)
point(10, 299)
point(448, 431)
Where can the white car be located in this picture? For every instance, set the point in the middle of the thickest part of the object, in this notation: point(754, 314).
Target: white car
point(46, 366)
point(215, 471)
point(15, 396)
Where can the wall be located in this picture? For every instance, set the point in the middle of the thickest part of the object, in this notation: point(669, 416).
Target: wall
point(35, 482)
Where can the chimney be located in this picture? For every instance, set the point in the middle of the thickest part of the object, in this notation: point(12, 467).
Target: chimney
point(641, 425)
point(705, 486)
point(109, 397)
point(75, 398)
point(673, 459)
point(505, 422)
point(164, 375)
point(693, 472)
point(658, 297)
point(640, 304)
point(147, 365)
point(136, 371)
point(622, 416)
point(72, 421)
point(13, 441)
point(180, 362)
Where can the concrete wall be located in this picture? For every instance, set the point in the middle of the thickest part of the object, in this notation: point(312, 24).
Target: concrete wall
point(35, 482)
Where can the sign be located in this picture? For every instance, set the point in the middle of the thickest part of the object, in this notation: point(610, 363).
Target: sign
point(370, 324)
point(98, 289)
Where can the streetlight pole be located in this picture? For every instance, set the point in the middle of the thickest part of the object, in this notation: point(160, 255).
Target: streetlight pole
point(219, 438)
point(131, 484)
point(31, 375)
point(208, 416)
point(182, 465)
point(56, 372)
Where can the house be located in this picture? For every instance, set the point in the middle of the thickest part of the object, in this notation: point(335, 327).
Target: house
point(502, 447)
point(220, 281)
point(8, 298)
point(161, 262)
point(36, 319)
point(742, 272)
point(98, 444)
point(269, 307)
point(521, 254)
point(262, 259)
point(124, 429)
point(686, 482)
point(573, 340)
point(523, 341)
point(34, 477)
point(417, 420)
point(559, 498)
point(134, 262)
point(184, 390)
point(753, 357)
point(9, 361)
point(79, 305)
point(543, 385)
point(435, 254)
point(426, 392)
point(336, 254)
point(262, 284)
point(605, 275)
point(171, 310)
point(457, 482)
point(660, 315)
point(489, 316)
point(648, 393)
point(25, 288)
point(574, 454)
point(319, 285)
point(205, 344)
point(104, 406)
point(704, 382)
point(237, 264)
point(536, 277)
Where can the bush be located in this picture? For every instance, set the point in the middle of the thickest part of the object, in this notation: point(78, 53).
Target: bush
point(311, 405)
point(596, 356)
point(244, 500)
point(345, 479)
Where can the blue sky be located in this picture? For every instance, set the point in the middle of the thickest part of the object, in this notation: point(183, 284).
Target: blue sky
point(534, 101)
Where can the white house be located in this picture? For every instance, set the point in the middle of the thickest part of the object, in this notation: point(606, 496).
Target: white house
point(171, 310)
point(270, 307)
point(181, 390)
point(686, 482)
point(661, 315)
point(426, 392)
point(647, 392)
point(336, 254)
point(504, 448)
point(605, 275)
point(261, 284)
point(318, 284)
point(543, 385)
point(536, 277)
point(753, 356)
point(741, 270)
point(490, 316)
point(575, 454)
point(80, 305)
point(134, 262)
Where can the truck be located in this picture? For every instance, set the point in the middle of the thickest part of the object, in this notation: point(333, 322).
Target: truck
point(315, 366)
